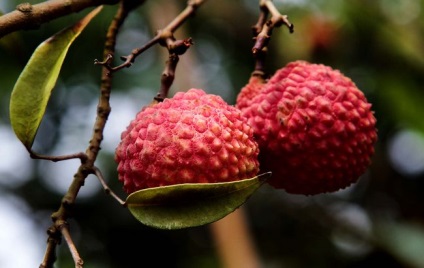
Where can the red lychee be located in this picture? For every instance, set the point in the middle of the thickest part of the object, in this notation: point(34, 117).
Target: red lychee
point(250, 90)
point(315, 129)
point(193, 137)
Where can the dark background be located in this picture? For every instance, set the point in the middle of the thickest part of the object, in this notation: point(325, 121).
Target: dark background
point(376, 222)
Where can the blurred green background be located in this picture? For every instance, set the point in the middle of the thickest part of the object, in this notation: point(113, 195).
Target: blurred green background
point(376, 222)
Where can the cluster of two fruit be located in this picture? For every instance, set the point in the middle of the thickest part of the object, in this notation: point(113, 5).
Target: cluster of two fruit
point(308, 124)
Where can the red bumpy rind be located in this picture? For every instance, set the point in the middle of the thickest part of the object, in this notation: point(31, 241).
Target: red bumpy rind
point(316, 130)
point(193, 137)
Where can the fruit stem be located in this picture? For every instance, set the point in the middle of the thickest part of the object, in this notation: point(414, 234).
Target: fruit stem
point(106, 188)
point(260, 64)
point(175, 48)
point(262, 32)
point(168, 76)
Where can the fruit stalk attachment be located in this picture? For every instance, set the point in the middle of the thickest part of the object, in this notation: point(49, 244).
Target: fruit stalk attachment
point(175, 48)
point(262, 32)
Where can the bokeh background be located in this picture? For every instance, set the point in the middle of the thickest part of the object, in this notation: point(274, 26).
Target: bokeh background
point(376, 222)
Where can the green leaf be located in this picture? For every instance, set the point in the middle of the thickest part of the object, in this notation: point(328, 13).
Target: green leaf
point(404, 240)
point(32, 91)
point(402, 100)
point(191, 204)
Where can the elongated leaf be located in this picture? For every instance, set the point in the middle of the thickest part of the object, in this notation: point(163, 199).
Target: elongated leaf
point(192, 204)
point(32, 91)
point(404, 240)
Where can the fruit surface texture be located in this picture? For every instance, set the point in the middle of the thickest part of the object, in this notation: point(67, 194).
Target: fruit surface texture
point(193, 137)
point(249, 91)
point(315, 129)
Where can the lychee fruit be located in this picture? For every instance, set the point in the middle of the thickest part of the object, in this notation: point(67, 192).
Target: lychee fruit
point(315, 129)
point(193, 137)
point(250, 90)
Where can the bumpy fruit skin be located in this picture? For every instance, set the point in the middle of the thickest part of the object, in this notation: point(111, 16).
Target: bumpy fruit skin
point(315, 129)
point(193, 137)
point(249, 91)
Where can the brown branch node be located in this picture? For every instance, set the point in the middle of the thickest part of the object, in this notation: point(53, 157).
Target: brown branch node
point(179, 47)
point(165, 37)
point(262, 32)
point(24, 7)
point(105, 63)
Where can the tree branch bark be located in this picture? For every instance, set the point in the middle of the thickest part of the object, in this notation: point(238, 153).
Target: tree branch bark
point(87, 167)
point(28, 17)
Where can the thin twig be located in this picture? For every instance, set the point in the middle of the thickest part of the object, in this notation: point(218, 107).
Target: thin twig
point(168, 76)
point(276, 21)
point(262, 32)
point(263, 16)
point(276, 18)
point(106, 188)
point(103, 109)
point(175, 48)
point(128, 60)
point(162, 36)
point(189, 11)
point(64, 228)
point(82, 156)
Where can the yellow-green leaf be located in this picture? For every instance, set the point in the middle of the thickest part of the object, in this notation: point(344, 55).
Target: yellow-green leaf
point(33, 88)
point(192, 204)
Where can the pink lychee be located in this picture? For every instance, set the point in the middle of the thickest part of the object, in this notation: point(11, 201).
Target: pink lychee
point(315, 129)
point(250, 90)
point(193, 137)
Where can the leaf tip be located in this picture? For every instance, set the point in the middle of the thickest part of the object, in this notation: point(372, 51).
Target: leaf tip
point(264, 176)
